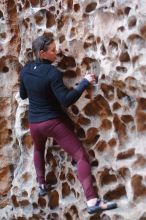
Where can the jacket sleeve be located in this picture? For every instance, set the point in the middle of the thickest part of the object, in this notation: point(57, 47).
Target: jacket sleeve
point(22, 89)
point(65, 96)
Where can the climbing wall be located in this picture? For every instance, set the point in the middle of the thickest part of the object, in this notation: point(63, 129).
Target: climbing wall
point(107, 37)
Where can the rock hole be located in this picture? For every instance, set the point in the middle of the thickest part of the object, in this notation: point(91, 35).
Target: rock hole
point(34, 3)
point(124, 57)
point(65, 189)
point(112, 142)
point(132, 22)
point(91, 7)
point(75, 109)
point(120, 12)
point(68, 216)
point(54, 199)
point(101, 146)
point(24, 194)
point(61, 38)
point(140, 161)
point(62, 176)
point(35, 205)
point(113, 45)
point(71, 178)
point(138, 186)
point(52, 8)
point(106, 217)
point(1, 14)
point(121, 28)
point(143, 31)
point(24, 121)
point(51, 178)
point(27, 4)
point(106, 124)
point(76, 7)
point(91, 135)
point(34, 216)
point(90, 109)
point(127, 10)
point(74, 210)
point(3, 35)
point(14, 201)
point(24, 203)
point(83, 121)
point(42, 202)
point(127, 118)
point(39, 16)
point(133, 37)
point(135, 59)
point(22, 218)
point(27, 141)
point(5, 69)
point(98, 40)
point(108, 91)
point(121, 69)
point(53, 216)
point(126, 154)
point(107, 177)
point(69, 4)
point(70, 74)
point(67, 62)
point(50, 19)
point(116, 193)
point(103, 50)
point(80, 132)
point(124, 172)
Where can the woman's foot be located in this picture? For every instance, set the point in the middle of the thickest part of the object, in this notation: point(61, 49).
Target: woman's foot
point(101, 206)
point(43, 189)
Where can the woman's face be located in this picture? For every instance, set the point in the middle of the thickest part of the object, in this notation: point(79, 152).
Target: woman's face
point(50, 54)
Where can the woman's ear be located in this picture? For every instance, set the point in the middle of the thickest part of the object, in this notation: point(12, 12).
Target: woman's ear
point(41, 53)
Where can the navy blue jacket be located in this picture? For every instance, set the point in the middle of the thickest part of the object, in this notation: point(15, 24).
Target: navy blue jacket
point(42, 84)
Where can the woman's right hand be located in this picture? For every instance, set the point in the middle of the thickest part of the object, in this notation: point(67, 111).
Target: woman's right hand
point(91, 77)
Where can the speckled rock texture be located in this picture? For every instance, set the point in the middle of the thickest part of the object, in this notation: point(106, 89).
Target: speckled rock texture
point(107, 37)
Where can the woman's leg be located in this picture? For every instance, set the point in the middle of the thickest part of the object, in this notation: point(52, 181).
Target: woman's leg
point(70, 143)
point(39, 150)
point(66, 138)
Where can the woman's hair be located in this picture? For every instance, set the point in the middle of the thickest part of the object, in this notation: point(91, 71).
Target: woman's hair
point(41, 43)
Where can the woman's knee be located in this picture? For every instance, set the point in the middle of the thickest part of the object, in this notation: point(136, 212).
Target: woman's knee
point(81, 154)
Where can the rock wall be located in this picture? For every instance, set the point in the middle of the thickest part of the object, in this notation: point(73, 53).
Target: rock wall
point(103, 36)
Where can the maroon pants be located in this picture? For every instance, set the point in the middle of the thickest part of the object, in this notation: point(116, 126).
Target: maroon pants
point(66, 138)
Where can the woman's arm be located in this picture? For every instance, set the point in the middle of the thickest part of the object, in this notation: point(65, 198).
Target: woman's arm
point(22, 91)
point(65, 96)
